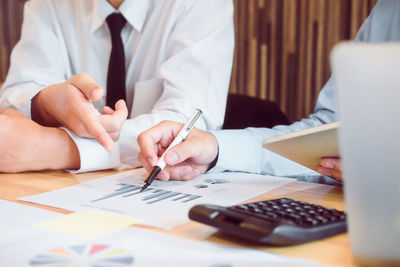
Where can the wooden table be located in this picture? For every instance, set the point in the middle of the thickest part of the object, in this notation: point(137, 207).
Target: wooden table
point(334, 250)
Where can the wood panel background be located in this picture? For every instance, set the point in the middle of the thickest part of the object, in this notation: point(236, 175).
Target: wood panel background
point(282, 46)
point(10, 29)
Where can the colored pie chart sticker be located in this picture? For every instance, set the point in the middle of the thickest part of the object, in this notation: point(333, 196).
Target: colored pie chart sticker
point(83, 256)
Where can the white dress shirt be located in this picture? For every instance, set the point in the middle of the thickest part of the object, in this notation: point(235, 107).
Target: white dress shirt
point(178, 58)
point(241, 150)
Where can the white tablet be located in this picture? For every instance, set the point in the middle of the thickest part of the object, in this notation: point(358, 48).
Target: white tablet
point(308, 146)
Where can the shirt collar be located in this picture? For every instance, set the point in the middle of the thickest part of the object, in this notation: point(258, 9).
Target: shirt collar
point(134, 11)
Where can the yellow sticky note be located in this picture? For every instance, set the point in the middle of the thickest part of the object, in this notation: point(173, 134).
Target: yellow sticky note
point(88, 224)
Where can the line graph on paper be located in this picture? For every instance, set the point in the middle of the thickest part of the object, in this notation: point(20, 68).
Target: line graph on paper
point(150, 195)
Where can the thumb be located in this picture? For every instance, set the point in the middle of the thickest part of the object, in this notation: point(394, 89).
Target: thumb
point(87, 85)
point(121, 110)
point(179, 153)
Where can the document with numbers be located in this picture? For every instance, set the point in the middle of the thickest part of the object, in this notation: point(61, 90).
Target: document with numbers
point(163, 204)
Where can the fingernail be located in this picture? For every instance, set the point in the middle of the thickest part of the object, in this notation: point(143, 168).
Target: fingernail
point(328, 164)
point(110, 147)
point(171, 157)
point(325, 172)
point(184, 171)
point(196, 172)
point(96, 93)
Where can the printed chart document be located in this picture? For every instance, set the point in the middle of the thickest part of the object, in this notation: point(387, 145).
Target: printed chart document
point(308, 146)
point(22, 244)
point(163, 204)
point(35, 247)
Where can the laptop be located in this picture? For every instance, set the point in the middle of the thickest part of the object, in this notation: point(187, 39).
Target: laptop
point(368, 81)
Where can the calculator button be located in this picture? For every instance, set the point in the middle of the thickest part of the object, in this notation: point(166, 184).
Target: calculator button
point(312, 212)
point(294, 216)
point(289, 210)
point(285, 200)
point(271, 215)
point(242, 207)
point(257, 210)
point(311, 221)
point(299, 209)
point(321, 219)
point(267, 208)
point(303, 214)
point(263, 204)
point(333, 219)
point(282, 213)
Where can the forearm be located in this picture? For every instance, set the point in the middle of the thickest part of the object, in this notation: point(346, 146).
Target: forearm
point(242, 150)
point(56, 151)
point(27, 146)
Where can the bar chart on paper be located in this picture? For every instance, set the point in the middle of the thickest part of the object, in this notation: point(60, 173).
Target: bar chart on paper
point(149, 195)
point(163, 204)
point(155, 195)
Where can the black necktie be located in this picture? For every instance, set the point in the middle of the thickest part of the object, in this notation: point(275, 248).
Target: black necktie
point(116, 67)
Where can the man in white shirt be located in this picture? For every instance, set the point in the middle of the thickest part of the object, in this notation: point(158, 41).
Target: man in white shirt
point(241, 150)
point(178, 57)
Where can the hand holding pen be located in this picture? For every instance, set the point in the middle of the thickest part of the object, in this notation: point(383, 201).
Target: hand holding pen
point(180, 137)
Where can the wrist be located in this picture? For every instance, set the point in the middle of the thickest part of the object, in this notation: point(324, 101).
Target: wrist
point(39, 114)
point(213, 163)
point(61, 151)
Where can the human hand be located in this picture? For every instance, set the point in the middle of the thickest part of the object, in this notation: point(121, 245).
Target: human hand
point(69, 104)
point(185, 160)
point(27, 146)
point(331, 167)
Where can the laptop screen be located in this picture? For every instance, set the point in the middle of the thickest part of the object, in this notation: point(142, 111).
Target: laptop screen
point(368, 80)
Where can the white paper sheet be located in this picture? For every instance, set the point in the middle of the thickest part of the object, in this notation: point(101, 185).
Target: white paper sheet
point(128, 247)
point(23, 245)
point(163, 204)
point(15, 215)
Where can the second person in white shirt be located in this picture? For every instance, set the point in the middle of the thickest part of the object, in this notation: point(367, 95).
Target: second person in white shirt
point(178, 58)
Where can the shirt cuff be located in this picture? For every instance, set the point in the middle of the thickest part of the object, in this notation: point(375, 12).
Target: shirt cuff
point(28, 104)
point(235, 146)
point(93, 156)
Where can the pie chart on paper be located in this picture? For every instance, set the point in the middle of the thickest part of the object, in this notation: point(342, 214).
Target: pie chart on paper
point(83, 256)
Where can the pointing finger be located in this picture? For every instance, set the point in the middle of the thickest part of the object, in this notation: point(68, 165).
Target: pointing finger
point(96, 130)
point(113, 123)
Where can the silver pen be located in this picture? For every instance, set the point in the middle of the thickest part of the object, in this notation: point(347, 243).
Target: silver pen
point(183, 133)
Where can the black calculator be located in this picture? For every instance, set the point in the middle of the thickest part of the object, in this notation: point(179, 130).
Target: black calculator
point(278, 222)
